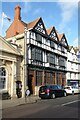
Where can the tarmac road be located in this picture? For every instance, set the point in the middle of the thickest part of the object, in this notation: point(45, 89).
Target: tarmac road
point(63, 107)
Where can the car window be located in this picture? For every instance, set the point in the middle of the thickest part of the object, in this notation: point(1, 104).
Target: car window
point(51, 87)
point(43, 88)
point(67, 88)
point(75, 87)
point(59, 87)
point(55, 87)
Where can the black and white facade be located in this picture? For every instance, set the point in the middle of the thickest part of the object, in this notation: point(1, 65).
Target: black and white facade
point(47, 57)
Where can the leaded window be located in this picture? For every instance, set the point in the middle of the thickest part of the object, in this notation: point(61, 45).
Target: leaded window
point(52, 44)
point(37, 54)
point(61, 62)
point(39, 38)
point(2, 78)
point(51, 58)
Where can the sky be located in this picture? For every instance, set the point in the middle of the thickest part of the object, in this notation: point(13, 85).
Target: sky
point(60, 13)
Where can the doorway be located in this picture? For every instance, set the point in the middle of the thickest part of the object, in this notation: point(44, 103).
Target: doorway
point(30, 83)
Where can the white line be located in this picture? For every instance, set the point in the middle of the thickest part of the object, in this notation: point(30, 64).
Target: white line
point(69, 102)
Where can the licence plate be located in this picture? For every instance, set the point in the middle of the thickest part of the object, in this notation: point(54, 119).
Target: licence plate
point(43, 93)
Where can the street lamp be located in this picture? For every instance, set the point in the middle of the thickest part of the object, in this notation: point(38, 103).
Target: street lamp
point(25, 60)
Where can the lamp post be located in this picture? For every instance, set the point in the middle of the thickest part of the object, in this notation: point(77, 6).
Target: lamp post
point(25, 60)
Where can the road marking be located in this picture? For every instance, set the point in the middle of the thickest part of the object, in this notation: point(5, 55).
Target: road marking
point(70, 102)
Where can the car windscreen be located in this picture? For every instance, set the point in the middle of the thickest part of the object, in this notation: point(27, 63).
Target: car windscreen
point(43, 88)
point(54, 87)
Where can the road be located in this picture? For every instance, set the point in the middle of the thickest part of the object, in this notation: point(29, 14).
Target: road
point(63, 107)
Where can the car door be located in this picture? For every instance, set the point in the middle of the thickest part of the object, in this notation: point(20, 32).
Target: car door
point(75, 89)
point(60, 91)
point(57, 90)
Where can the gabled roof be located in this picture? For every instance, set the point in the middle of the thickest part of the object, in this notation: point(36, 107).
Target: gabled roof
point(70, 47)
point(33, 23)
point(7, 47)
point(59, 35)
point(76, 49)
point(49, 30)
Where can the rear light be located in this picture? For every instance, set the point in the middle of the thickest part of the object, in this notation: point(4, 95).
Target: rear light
point(47, 91)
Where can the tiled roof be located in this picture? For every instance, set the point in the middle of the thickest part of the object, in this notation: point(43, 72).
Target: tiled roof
point(33, 23)
point(59, 35)
point(25, 24)
point(50, 29)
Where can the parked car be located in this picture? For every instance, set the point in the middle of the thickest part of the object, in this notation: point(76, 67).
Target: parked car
point(51, 91)
point(72, 89)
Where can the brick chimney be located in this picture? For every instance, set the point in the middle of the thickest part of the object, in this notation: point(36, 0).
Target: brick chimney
point(17, 27)
point(17, 13)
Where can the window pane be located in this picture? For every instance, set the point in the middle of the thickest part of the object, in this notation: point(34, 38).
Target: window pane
point(2, 78)
point(2, 83)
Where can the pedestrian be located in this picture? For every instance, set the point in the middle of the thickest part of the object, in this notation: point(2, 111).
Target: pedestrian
point(27, 92)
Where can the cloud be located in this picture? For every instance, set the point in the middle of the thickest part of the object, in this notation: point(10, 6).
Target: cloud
point(68, 9)
point(27, 7)
point(37, 11)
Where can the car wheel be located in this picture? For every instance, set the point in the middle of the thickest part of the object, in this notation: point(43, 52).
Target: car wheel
point(53, 96)
point(65, 94)
point(72, 92)
point(42, 98)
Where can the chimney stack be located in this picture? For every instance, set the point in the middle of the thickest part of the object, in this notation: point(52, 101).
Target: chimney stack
point(17, 13)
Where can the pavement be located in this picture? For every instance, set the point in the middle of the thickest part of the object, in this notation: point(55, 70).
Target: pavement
point(18, 101)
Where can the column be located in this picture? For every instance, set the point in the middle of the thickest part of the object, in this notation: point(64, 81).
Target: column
point(13, 83)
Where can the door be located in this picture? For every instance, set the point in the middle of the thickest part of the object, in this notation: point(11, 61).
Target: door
point(30, 84)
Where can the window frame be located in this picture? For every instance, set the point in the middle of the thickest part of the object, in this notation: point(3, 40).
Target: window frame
point(3, 77)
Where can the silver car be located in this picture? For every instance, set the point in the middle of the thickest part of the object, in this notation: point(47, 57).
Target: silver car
point(72, 89)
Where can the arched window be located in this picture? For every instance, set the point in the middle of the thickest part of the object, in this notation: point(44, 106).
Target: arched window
point(2, 78)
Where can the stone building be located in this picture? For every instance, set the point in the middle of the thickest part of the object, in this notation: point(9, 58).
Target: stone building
point(10, 67)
